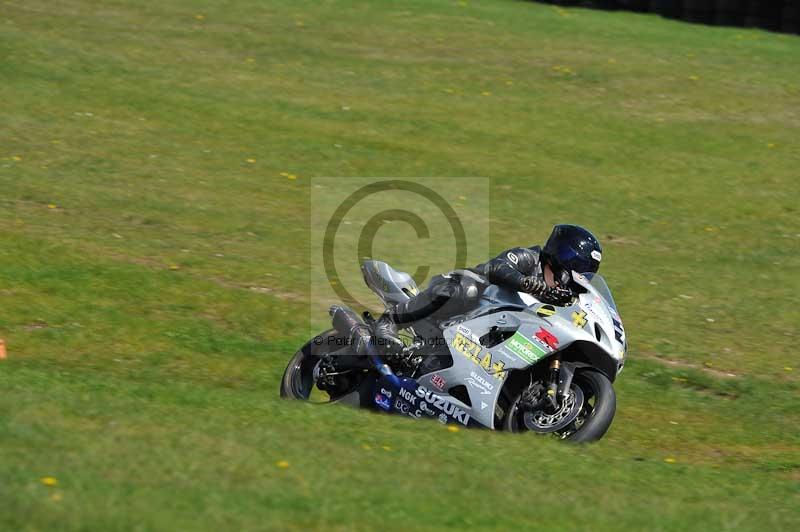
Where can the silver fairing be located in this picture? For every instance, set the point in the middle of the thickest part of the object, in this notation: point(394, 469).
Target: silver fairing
point(536, 332)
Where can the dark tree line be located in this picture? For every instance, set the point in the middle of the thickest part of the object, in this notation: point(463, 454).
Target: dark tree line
point(775, 15)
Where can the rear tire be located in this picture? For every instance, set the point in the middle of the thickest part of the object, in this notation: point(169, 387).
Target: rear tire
point(298, 380)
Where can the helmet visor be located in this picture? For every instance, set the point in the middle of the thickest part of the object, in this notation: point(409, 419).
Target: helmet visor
point(569, 259)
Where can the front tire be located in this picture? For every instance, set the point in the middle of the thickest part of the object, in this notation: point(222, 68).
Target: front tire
point(600, 405)
point(594, 417)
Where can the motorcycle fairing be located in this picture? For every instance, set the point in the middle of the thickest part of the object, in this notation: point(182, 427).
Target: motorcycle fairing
point(484, 369)
point(536, 332)
point(407, 397)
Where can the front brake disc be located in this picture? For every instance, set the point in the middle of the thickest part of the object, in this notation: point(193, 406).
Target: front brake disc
point(545, 422)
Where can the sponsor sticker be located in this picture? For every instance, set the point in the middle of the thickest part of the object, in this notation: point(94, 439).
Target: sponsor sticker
point(473, 351)
point(480, 383)
point(383, 402)
point(619, 332)
point(466, 347)
point(408, 396)
point(579, 318)
point(596, 255)
point(402, 406)
point(548, 338)
point(524, 348)
point(438, 382)
point(410, 410)
point(467, 332)
point(445, 407)
point(545, 310)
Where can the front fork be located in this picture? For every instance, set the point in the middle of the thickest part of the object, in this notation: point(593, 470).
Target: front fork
point(559, 380)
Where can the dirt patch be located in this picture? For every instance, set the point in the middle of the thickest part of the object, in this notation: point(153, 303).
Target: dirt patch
point(155, 264)
point(621, 240)
point(687, 365)
point(225, 283)
point(36, 325)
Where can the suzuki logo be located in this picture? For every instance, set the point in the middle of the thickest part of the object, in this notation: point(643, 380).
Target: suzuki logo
point(548, 338)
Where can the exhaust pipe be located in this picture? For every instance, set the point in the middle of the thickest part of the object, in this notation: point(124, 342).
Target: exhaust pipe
point(347, 322)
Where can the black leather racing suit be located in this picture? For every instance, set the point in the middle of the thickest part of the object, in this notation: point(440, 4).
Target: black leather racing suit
point(510, 268)
point(449, 294)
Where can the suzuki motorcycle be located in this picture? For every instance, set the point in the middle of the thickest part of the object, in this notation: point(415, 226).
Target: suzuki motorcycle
point(508, 362)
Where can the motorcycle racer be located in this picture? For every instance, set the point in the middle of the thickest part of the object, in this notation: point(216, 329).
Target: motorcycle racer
point(544, 272)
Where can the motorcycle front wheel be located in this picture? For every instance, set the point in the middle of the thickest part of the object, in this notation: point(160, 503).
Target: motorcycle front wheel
point(599, 403)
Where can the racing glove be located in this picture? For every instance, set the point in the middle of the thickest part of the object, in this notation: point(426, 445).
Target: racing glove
point(557, 296)
point(533, 285)
point(537, 287)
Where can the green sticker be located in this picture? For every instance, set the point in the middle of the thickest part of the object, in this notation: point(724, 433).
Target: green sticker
point(524, 348)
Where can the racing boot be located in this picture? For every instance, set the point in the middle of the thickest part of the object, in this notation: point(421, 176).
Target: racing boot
point(385, 330)
point(412, 311)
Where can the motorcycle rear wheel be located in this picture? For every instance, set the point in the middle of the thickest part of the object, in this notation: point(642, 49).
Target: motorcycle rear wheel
point(299, 380)
point(595, 417)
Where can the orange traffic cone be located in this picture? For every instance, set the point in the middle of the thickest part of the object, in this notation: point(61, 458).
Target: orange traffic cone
point(2, 349)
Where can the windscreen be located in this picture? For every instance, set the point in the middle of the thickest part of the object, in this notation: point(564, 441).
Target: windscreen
point(599, 284)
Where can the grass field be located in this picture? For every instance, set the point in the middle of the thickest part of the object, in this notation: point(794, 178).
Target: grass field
point(154, 258)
